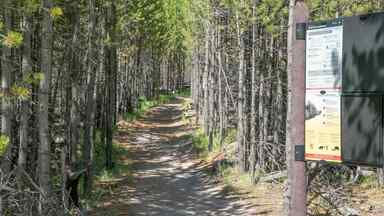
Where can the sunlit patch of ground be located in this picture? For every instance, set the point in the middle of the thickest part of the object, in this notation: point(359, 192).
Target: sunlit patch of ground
point(365, 198)
point(267, 198)
point(166, 179)
point(369, 200)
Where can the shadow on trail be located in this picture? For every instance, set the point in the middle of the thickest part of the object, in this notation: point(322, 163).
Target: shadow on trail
point(167, 180)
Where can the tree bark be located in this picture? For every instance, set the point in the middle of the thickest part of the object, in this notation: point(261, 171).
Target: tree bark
point(111, 81)
point(254, 76)
point(211, 92)
point(205, 109)
point(241, 139)
point(89, 126)
point(44, 158)
point(6, 83)
point(25, 104)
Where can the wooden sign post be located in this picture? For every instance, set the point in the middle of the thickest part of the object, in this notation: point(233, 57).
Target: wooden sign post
point(296, 194)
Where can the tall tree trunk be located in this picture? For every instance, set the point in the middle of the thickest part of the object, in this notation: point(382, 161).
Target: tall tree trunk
point(279, 98)
point(205, 109)
point(261, 114)
point(74, 86)
point(6, 105)
point(211, 92)
point(6, 83)
point(196, 84)
point(91, 98)
point(254, 76)
point(111, 81)
point(44, 158)
point(220, 93)
point(25, 104)
point(241, 99)
point(266, 94)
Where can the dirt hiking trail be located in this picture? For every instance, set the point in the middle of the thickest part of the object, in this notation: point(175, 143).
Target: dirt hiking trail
point(167, 180)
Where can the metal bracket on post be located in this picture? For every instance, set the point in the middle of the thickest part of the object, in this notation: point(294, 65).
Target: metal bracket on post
point(299, 153)
point(301, 31)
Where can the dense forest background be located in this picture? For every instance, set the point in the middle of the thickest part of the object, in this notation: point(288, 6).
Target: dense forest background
point(70, 69)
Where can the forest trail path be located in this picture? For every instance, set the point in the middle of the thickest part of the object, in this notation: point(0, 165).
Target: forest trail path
point(167, 180)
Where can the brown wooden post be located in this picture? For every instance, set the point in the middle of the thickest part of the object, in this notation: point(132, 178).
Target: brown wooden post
point(296, 194)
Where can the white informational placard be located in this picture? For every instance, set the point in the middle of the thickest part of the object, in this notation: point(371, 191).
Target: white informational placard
point(324, 48)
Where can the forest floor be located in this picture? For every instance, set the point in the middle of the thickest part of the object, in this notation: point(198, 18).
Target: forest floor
point(165, 177)
point(159, 174)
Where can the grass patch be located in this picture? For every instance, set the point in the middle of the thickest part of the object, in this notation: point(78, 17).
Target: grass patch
point(188, 114)
point(233, 177)
point(230, 137)
point(105, 179)
point(186, 105)
point(200, 143)
point(118, 151)
point(226, 172)
point(165, 98)
point(368, 182)
point(146, 104)
point(185, 92)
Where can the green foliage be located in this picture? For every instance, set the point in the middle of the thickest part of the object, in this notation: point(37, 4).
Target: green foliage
point(12, 39)
point(187, 105)
point(160, 24)
point(108, 177)
point(4, 141)
point(368, 181)
point(38, 77)
point(56, 12)
point(20, 92)
point(231, 136)
point(186, 92)
point(33, 78)
point(145, 104)
point(200, 142)
point(165, 98)
point(119, 168)
point(31, 6)
point(329, 9)
point(271, 13)
point(117, 152)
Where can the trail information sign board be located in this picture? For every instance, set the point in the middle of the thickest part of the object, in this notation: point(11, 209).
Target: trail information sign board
point(344, 90)
point(324, 48)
